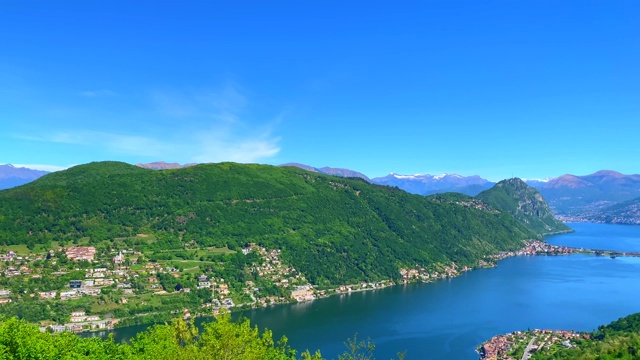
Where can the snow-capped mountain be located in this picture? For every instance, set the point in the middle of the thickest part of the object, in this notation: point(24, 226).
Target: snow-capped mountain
point(426, 184)
point(536, 183)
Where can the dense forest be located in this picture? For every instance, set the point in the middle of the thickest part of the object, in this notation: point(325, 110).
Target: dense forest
point(334, 230)
point(618, 340)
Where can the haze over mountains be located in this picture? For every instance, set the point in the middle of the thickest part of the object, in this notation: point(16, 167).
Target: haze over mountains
point(582, 198)
point(11, 176)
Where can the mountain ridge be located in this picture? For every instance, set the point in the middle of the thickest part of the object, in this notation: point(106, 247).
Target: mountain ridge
point(580, 197)
point(426, 184)
point(342, 172)
point(334, 230)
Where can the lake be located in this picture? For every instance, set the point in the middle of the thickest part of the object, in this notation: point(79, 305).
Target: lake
point(448, 319)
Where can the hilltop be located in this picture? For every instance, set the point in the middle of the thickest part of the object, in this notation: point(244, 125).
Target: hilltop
point(525, 203)
point(333, 230)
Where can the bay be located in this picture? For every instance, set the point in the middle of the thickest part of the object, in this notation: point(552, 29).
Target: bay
point(448, 319)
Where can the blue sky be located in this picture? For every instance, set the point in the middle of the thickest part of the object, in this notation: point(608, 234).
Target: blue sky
point(496, 88)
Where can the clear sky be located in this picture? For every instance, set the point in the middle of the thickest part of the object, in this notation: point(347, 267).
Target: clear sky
point(495, 88)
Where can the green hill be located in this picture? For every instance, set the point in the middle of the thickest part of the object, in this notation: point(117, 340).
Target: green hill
point(334, 230)
point(525, 203)
point(618, 340)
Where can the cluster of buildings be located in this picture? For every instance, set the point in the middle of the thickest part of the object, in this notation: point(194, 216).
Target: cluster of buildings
point(501, 347)
point(77, 253)
point(358, 287)
point(80, 321)
point(422, 274)
point(4, 296)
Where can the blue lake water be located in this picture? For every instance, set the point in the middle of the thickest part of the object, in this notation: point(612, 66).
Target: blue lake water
point(448, 319)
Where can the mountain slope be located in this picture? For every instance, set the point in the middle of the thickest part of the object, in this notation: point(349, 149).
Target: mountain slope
point(425, 184)
point(525, 203)
point(618, 340)
point(330, 171)
point(334, 230)
point(571, 195)
point(11, 176)
point(627, 212)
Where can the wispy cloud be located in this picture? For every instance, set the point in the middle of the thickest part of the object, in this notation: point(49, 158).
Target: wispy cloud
point(97, 93)
point(204, 127)
point(119, 143)
point(221, 144)
point(222, 134)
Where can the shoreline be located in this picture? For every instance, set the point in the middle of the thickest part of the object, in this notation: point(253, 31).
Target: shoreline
point(417, 277)
point(532, 247)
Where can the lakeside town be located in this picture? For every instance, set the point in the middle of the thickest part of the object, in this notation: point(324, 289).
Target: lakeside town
point(102, 290)
point(95, 289)
point(521, 344)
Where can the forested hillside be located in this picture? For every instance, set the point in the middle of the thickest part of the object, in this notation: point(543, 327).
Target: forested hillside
point(618, 340)
point(333, 230)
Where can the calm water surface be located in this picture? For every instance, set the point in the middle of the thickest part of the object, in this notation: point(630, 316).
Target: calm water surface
point(449, 318)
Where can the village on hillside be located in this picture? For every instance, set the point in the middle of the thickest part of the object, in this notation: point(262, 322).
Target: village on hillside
point(84, 288)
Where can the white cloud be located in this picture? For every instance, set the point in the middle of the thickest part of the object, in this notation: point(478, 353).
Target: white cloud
point(226, 136)
point(217, 146)
point(207, 127)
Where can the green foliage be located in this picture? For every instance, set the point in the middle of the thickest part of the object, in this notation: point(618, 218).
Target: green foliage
point(221, 339)
point(525, 203)
point(618, 340)
point(333, 230)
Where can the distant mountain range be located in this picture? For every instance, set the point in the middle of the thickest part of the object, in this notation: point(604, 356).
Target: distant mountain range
point(330, 171)
point(605, 196)
point(425, 184)
point(421, 184)
point(579, 197)
point(11, 176)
